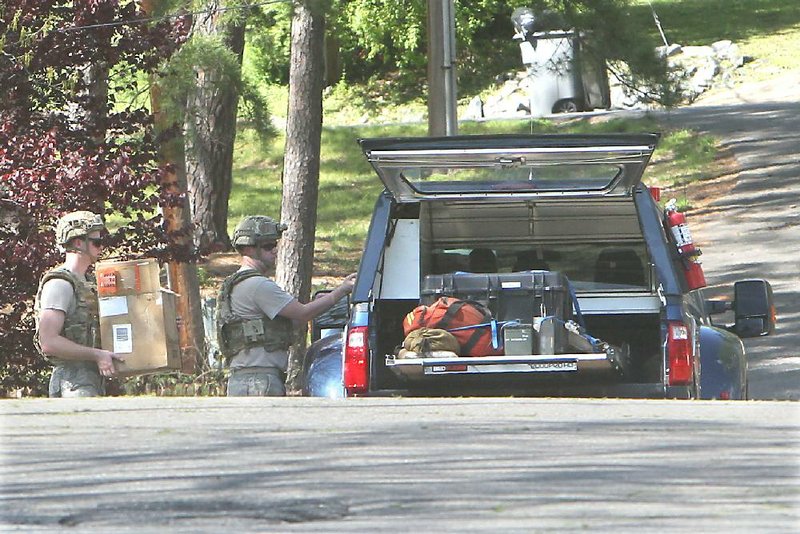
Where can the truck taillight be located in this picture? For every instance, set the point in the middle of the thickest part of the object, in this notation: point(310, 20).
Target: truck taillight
point(679, 350)
point(356, 360)
point(655, 192)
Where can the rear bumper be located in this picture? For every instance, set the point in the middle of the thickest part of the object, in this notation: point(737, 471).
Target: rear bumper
point(595, 379)
point(621, 391)
point(416, 369)
point(564, 375)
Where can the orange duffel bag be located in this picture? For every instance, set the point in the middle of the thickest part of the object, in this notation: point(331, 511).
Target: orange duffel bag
point(470, 322)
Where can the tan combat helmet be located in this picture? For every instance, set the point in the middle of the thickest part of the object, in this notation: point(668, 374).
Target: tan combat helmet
point(255, 230)
point(77, 224)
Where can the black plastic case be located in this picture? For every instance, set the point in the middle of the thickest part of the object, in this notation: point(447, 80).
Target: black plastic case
point(517, 296)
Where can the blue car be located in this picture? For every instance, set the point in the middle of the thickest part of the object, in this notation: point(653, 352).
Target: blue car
point(591, 286)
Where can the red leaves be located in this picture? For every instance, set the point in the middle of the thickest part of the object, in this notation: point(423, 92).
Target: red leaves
point(53, 159)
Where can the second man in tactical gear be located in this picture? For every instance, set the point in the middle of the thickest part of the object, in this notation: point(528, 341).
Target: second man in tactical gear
point(254, 315)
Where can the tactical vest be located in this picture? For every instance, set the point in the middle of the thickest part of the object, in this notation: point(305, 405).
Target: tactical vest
point(235, 333)
point(83, 325)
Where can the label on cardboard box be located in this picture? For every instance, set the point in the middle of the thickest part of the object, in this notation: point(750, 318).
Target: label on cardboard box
point(123, 338)
point(110, 306)
point(133, 277)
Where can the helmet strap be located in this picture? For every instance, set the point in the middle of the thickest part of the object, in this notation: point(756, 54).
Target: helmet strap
point(71, 247)
point(254, 262)
point(79, 250)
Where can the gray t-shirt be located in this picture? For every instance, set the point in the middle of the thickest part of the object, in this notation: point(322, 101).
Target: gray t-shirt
point(253, 298)
point(57, 294)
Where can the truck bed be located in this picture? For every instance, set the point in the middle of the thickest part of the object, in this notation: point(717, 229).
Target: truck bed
point(634, 330)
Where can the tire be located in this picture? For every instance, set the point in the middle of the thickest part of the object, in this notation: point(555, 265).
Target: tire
point(565, 106)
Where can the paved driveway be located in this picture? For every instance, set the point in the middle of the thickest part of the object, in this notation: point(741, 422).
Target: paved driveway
point(753, 229)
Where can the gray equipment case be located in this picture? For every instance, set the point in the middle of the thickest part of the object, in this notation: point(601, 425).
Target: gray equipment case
point(519, 296)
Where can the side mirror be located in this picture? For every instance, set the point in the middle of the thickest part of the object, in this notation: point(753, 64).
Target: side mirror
point(332, 321)
point(754, 308)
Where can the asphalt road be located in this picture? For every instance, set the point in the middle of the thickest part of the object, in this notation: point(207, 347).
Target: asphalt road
point(751, 229)
point(153, 464)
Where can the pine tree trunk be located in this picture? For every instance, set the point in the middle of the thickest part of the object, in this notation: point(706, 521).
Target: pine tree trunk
point(301, 164)
point(211, 132)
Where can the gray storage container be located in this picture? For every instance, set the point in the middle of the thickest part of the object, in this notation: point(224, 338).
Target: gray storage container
point(518, 339)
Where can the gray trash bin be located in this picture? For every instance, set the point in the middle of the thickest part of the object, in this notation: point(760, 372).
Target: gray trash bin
point(562, 79)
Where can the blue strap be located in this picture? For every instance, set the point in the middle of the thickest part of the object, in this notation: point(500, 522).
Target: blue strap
point(481, 325)
point(575, 305)
point(496, 326)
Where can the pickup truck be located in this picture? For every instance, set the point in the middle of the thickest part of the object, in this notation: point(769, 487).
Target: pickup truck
point(539, 207)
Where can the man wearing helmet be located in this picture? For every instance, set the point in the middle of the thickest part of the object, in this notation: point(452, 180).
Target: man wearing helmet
point(67, 323)
point(254, 315)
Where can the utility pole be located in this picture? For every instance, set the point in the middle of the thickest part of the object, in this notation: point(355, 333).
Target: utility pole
point(442, 114)
point(182, 277)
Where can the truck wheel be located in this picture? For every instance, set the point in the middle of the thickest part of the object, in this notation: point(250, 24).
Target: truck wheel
point(565, 106)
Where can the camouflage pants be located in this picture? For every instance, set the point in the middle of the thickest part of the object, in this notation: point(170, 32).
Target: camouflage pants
point(76, 379)
point(256, 382)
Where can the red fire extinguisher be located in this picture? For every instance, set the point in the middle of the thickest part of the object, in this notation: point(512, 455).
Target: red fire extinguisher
point(692, 270)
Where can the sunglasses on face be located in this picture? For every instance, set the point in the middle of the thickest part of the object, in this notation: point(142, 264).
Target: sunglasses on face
point(96, 241)
point(269, 246)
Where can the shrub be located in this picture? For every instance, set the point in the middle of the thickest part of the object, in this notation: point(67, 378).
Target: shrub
point(73, 135)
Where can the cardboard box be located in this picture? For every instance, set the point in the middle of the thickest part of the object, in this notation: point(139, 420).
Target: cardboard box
point(127, 277)
point(137, 318)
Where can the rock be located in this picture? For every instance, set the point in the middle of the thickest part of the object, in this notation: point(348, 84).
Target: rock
point(696, 51)
point(668, 51)
point(728, 52)
point(474, 109)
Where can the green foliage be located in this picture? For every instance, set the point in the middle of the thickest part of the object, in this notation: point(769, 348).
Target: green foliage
point(178, 79)
point(268, 39)
point(255, 108)
point(383, 43)
point(385, 32)
point(65, 145)
point(210, 54)
point(204, 278)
